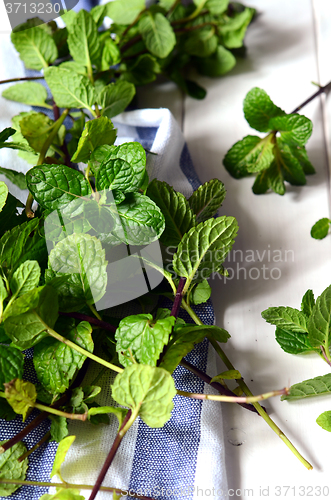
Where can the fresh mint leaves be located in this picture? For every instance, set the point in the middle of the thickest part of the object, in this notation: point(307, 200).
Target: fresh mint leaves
point(276, 158)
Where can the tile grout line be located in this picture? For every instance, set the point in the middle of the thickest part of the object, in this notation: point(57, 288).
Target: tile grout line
point(325, 127)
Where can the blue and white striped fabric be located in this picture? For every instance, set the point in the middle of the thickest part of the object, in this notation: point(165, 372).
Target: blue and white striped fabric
point(185, 459)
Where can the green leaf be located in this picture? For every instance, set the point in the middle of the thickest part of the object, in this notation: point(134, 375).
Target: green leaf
point(234, 30)
point(17, 178)
point(293, 342)
point(217, 7)
point(204, 248)
point(183, 341)
point(69, 18)
point(3, 194)
point(319, 323)
point(96, 133)
point(25, 278)
point(295, 129)
point(142, 221)
point(300, 153)
point(271, 178)
point(83, 40)
point(308, 302)
point(6, 411)
point(74, 66)
point(157, 34)
point(207, 199)
point(11, 364)
point(286, 318)
point(35, 128)
point(111, 54)
point(125, 11)
point(36, 47)
point(56, 364)
point(55, 186)
point(115, 97)
point(20, 244)
point(227, 375)
point(59, 428)
point(11, 468)
point(83, 257)
point(105, 410)
point(60, 456)
point(318, 386)
point(69, 89)
point(146, 390)
point(178, 215)
point(127, 174)
point(201, 43)
point(251, 154)
point(63, 494)
point(31, 93)
point(140, 337)
point(219, 63)
point(320, 229)
point(141, 70)
point(29, 316)
point(324, 421)
point(21, 396)
point(288, 165)
point(259, 109)
point(6, 133)
point(98, 13)
point(200, 293)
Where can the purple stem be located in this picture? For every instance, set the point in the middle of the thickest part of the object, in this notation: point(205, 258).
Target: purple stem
point(320, 91)
point(178, 298)
point(90, 319)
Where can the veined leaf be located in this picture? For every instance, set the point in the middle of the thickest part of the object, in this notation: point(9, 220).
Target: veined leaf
point(286, 318)
point(308, 302)
point(59, 428)
point(17, 178)
point(178, 215)
point(142, 221)
point(105, 410)
point(3, 194)
point(319, 324)
point(204, 248)
point(83, 40)
point(317, 386)
point(25, 278)
point(300, 153)
point(111, 54)
point(6, 133)
point(140, 337)
point(31, 93)
point(55, 186)
point(56, 363)
point(21, 396)
point(69, 89)
point(201, 43)
point(11, 364)
point(157, 34)
point(125, 11)
point(295, 129)
point(271, 178)
point(115, 97)
point(234, 30)
point(83, 257)
point(27, 319)
point(141, 70)
point(293, 342)
point(11, 468)
point(96, 133)
point(35, 128)
point(36, 47)
point(148, 390)
point(324, 421)
point(288, 164)
point(259, 109)
point(251, 154)
point(207, 199)
point(217, 7)
point(320, 229)
point(200, 293)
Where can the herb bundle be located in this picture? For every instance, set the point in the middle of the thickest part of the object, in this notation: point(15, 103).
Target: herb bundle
point(53, 259)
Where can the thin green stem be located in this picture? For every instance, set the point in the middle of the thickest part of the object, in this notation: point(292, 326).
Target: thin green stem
point(247, 391)
point(70, 486)
point(95, 312)
point(72, 416)
point(35, 447)
point(28, 206)
point(233, 399)
point(79, 349)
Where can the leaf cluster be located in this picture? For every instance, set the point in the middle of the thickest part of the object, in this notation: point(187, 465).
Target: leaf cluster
point(279, 156)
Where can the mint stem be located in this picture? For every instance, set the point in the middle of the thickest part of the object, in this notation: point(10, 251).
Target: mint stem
point(233, 399)
point(91, 320)
point(219, 387)
point(110, 457)
point(25, 78)
point(320, 91)
point(35, 447)
point(178, 298)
